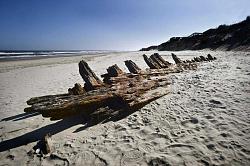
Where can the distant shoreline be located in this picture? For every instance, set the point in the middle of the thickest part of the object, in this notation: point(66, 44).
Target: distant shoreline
point(6, 56)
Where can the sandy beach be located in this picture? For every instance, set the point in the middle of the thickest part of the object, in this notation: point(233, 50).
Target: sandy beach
point(204, 120)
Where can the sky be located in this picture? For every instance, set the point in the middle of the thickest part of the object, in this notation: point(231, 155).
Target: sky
point(109, 24)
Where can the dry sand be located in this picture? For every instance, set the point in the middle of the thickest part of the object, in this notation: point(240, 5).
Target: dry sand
point(205, 119)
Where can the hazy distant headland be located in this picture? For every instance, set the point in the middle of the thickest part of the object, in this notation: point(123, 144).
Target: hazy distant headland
point(225, 37)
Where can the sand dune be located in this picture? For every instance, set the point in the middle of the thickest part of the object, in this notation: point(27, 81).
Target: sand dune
point(204, 120)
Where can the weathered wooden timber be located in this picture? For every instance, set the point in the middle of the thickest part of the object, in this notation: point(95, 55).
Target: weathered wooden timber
point(176, 59)
point(76, 90)
point(114, 71)
point(159, 60)
point(118, 94)
point(91, 80)
point(151, 63)
point(209, 56)
point(197, 59)
point(203, 58)
point(132, 67)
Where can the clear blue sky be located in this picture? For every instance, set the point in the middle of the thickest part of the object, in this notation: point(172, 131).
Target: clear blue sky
point(109, 24)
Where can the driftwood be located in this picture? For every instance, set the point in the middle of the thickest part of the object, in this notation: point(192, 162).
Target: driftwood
point(47, 144)
point(44, 146)
point(118, 94)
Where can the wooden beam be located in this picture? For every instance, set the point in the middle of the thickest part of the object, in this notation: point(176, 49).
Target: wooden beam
point(151, 64)
point(91, 80)
point(176, 59)
point(132, 67)
point(159, 60)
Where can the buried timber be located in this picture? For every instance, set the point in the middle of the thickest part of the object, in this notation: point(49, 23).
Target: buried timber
point(118, 94)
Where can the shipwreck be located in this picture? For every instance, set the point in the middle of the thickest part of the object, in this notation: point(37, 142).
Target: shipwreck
point(118, 94)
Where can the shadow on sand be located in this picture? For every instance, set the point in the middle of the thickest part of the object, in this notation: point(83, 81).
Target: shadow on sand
point(54, 128)
point(20, 116)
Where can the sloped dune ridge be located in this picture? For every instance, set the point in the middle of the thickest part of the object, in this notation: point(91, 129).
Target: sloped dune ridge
point(224, 37)
point(205, 120)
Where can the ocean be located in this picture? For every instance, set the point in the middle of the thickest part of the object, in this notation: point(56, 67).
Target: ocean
point(28, 54)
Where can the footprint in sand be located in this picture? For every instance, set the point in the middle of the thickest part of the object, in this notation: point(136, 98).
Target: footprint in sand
point(146, 147)
point(209, 117)
point(158, 161)
point(211, 146)
point(55, 159)
point(131, 157)
point(215, 101)
point(224, 134)
point(192, 120)
point(86, 158)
